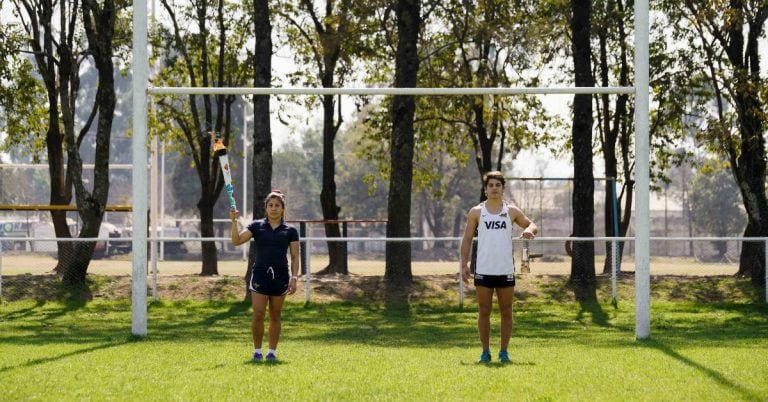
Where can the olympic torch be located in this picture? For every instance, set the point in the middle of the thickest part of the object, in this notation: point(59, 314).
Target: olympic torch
point(220, 151)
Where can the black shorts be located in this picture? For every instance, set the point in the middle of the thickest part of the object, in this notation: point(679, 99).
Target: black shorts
point(269, 281)
point(495, 281)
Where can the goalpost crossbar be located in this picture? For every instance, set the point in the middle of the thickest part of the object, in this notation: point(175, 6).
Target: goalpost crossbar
point(386, 91)
point(110, 208)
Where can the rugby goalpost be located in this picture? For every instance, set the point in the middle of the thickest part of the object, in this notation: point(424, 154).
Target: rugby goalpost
point(141, 91)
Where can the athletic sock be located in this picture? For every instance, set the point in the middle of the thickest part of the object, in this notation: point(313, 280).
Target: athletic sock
point(272, 352)
point(257, 351)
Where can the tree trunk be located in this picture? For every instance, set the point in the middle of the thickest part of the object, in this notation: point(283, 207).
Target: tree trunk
point(609, 224)
point(200, 42)
point(336, 250)
point(329, 46)
point(583, 258)
point(398, 254)
point(209, 257)
point(483, 143)
point(721, 248)
point(614, 124)
point(752, 260)
point(752, 256)
point(208, 197)
point(61, 188)
point(61, 185)
point(74, 272)
point(749, 167)
point(435, 217)
point(99, 23)
point(209, 170)
point(261, 171)
point(50, 68)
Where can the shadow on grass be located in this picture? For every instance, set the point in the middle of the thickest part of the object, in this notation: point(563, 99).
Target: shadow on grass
point(394, 322)
point(595, 311)
point(392, 325)
point(265, 363)
point(708, 289)
point(73, 301)
point(23, 313)
point(236, 310)
point(424, 325)
point(41, 319)
point(50, 288)
point(387, 324)
point(498, 365)
point(45, 360)
point(714, 375)
point(684, 323)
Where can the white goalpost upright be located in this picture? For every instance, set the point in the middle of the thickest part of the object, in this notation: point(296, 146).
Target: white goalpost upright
point(642, 175)
point(141, 91)
point(140, 67)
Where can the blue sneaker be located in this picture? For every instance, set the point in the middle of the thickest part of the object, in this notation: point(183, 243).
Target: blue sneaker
point(485, 357)
point(504, 357)
point(271, 358)
point(257, 357)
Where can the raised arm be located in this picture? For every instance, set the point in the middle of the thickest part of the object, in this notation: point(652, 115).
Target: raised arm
point(238, 237)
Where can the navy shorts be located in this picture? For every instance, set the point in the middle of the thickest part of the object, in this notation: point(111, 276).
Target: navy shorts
point(269, 281)
point(495, 281)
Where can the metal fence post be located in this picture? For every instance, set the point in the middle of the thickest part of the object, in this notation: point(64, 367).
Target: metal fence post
point(308, 273)
point(154, 251)
point(345, 262)
point(614, 266)
point(303, 253)
point(765, 283)
point(1, 271)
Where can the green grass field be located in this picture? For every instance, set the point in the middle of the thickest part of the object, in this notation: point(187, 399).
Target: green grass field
point(200, 350)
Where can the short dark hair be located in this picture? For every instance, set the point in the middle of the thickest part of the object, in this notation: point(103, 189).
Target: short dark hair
point(494, 174)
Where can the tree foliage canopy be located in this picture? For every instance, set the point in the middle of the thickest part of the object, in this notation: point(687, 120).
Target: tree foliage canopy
point(716, 201)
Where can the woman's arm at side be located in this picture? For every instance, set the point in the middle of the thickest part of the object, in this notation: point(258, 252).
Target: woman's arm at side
point(294, 248)
point(473, 219)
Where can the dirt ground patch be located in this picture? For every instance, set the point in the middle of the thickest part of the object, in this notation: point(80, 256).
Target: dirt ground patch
point(374, 289)
point(195, 287)
point(20, 263)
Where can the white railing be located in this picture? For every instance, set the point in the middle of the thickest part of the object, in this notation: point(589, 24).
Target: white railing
point(309, 241)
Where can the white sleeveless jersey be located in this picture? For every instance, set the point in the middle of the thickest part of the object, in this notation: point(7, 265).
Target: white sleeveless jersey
point(494, 243)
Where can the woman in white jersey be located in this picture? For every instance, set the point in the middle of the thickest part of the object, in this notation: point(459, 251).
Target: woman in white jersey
point(495, 268)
